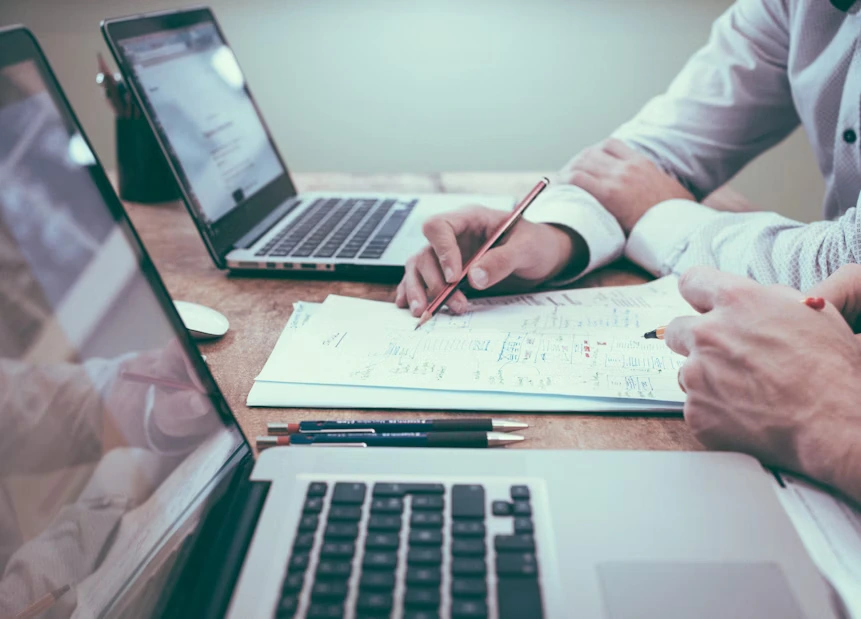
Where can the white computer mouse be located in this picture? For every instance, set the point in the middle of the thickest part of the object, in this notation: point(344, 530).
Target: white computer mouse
point(204, 323)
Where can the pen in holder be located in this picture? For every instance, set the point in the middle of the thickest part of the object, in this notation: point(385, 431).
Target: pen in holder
point(143, 172)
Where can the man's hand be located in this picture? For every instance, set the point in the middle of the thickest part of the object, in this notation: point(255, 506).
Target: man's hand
point(530, 254)
point(771, 377)
point(625, 182)
point(175, 414)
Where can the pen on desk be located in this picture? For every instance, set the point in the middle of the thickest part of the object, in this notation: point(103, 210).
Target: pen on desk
point(492, 240)
point(146, 379)
point(388, 426)
point(656, 334)
point(401, 439)
point(43, 603)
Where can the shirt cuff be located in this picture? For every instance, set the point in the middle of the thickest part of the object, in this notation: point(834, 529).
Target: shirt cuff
point(571, 207)
point(661, 235)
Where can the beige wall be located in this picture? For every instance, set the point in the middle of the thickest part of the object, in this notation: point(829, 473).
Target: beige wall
point(423, 85)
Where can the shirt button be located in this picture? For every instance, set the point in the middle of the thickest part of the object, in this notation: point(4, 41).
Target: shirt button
point(849, 136)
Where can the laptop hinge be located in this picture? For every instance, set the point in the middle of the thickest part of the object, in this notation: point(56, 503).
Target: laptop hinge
point(208, 575)
point(257, 232)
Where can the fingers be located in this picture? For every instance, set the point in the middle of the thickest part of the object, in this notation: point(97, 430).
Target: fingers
point(843, 291)
point(497, 264)
point(442, 232)
point(679, 334)
point(706, 288)
point(414, 290)
point(618, 149)
point(183, 414)
point(586, 182)
point(431, 274)
point(401, 296)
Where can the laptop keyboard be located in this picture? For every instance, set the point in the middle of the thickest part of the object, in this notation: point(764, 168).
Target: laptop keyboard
point(341, 228)
point(417, 551)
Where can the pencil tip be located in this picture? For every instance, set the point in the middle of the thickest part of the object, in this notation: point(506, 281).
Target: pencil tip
point(651, 335)
point(424, 318)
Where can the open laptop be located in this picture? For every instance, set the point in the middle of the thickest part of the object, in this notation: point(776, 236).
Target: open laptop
point(127, 490)
point(188, 82)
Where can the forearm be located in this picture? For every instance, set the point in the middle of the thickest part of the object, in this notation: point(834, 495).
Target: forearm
point(766, 247)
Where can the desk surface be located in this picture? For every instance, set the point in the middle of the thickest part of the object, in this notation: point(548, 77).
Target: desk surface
point(258, 309)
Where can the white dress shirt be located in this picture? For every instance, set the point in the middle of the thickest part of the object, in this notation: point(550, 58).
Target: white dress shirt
point(768, 66)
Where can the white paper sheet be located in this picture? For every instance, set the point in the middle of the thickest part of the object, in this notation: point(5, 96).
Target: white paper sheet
point(831, 531)
point(560, 330)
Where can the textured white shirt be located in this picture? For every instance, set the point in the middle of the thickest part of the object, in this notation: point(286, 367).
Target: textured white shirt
point(768, 66)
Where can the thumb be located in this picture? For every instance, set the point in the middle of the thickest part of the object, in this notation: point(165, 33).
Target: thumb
point(843, 291)
point(182, 414)
point(497, 264)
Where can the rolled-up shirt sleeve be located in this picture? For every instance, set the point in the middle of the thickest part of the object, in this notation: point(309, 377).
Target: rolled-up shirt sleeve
point(678, 234)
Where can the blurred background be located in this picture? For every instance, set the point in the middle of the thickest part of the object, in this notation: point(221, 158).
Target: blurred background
point(435, 85)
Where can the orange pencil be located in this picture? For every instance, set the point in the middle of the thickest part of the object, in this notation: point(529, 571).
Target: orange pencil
point(657, 334)
point(492, 240)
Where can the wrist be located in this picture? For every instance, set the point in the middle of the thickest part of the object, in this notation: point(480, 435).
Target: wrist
point(829, 446)
point(572, 253)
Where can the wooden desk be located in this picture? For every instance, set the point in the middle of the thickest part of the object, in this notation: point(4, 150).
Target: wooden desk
point(258, 309)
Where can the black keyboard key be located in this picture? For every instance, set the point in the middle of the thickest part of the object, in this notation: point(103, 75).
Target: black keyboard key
point(469, 588)
point(381, 490)
point(374, 602)
point(342, 530)
point(377, 581)
point(471, 609)
point(313, 505)
point(514, 543)
point(287, 606)
point(384, 523)
point(424, 613)
point(325, 611)
point(468, 547)
point(426, 537)
point(303, 541)
point(424, 576)
point(299, 562)
point(424, 556)
point(467, 529)
point(426, 520)
point(428, 503)
point(318, 488)
point(337, 550)
point(294, 582)
point(522, 508)
point(345, 513)
point(338, 570)
point(391, 505)
point(519, 597)
point(349, 494)
point(382, 541)
point(334, 590)
point(467, 501)
point(422, 597)
point(468, 566)
point(502, 508)
point(309, 522)
point(523, 525)
point(376, 560)
point(522, 564)
point(520, 493)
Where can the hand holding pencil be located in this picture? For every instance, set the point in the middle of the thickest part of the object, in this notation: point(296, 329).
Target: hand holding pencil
point(529, 254)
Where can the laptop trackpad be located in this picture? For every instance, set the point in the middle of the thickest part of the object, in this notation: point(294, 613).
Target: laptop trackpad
point(701, 590)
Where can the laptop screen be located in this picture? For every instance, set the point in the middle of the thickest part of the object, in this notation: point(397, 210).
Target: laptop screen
point(196, 89)
point(199, 104)
point(111, 429)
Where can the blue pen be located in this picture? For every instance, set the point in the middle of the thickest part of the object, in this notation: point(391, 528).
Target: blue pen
point(476, 440)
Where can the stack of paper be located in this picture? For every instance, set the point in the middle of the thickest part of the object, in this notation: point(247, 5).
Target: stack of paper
point(573, 350)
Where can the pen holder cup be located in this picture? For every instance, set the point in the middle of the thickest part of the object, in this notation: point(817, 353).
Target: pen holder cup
point(143, 172)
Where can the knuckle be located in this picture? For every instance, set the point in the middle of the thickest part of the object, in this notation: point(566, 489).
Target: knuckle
point(728, 296)
point(703, 335)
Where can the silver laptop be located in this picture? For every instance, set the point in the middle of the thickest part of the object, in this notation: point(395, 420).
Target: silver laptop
point(127, 490)
point(233, 180)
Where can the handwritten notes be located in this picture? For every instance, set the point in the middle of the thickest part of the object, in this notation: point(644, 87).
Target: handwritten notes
point(591, 345)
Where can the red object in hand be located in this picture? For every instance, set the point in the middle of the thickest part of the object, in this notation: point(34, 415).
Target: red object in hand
point(816, 303)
